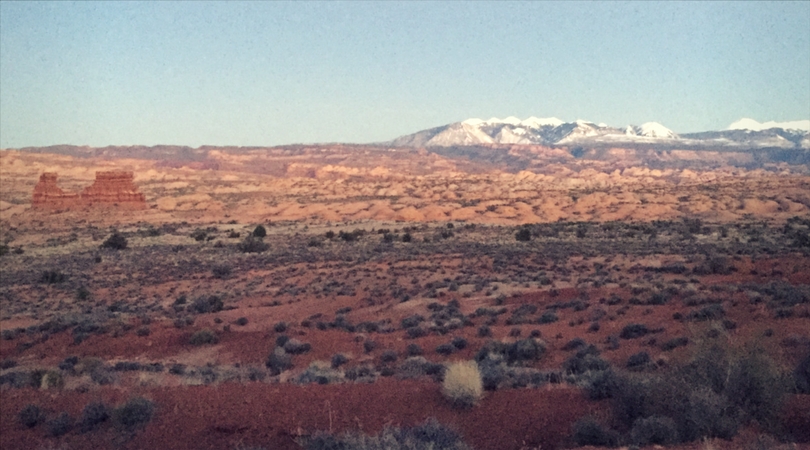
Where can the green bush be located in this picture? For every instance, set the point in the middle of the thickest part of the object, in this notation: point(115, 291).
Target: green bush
point(278, 361)
point(296, 347)
point(633, 331)
point(209, 304)
point(134, 413)
point(203, 337)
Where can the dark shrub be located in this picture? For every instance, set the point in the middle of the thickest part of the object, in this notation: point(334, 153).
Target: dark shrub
point(296, 347)
point(633, 331)
point(801, 375)
point(654, 430)
point(203, 337)
point(52, 277)
point(711, 312)
point(459, 343)
point(281, 340)
point(209, 304)
point(583, 362)
point(221, 271)
point(339, 359)
point(756, 385)
point(60, 424)
point(135, 412)
point(412, 321)
point(413, 350)
point(126, 366)
point(102, 376)
point(484, 331)
point(588, 431)
point(601, 385)
point(278, 361)
point(674, 343)
point(369, 345)
point(93, 415)
point(259, 231)
point(526, 350)
point(252, 244)
point(388, 356)
point(574, 344)
point(177, 369)
point(8, 363)
point(638, 361)
point(116, 241)
point(523, 235)
point(445, 349)
point(242, 321)
point(31, 415)
point(547, 317)
point(280, 327)
point(416, 332)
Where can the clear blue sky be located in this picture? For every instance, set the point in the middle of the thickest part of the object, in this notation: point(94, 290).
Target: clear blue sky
point(270, 73)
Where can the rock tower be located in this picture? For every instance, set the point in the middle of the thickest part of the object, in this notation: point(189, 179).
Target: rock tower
point(114, 188)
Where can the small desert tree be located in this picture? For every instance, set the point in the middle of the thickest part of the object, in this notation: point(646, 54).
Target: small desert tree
point(259, 231)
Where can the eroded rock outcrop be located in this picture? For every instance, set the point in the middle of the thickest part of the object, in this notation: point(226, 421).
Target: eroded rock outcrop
point(110, 188)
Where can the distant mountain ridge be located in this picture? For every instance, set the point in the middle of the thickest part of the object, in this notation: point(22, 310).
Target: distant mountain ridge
point(551, 131)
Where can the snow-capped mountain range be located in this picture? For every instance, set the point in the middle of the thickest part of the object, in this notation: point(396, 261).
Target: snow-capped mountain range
point(746, 133)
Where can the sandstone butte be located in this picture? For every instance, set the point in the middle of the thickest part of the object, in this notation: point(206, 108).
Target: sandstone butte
point(109, 188)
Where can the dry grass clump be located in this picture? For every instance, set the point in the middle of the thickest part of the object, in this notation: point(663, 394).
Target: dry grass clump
point(462, 384)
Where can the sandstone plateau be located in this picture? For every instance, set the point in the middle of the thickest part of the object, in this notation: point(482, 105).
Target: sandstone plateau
point(375, 268)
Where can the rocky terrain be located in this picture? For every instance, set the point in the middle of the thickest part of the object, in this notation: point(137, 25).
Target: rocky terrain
point(261, 297)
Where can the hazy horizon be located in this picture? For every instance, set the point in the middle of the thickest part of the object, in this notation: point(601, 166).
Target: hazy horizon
point(261, 74)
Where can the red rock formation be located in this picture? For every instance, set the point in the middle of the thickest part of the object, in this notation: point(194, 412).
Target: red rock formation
point(116, 188)
point(113, 187)
point(48, 195)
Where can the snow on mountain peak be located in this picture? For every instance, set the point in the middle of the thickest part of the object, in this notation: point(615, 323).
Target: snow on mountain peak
point(536, 122)
point(655, 129)
point(473, 122)
point(753, 125)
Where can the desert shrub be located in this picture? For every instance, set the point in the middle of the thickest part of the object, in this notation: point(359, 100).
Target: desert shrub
point(136, 412)
point(221, 271)
point(207, 304)
point(445, 349)
point(523, 235)
point(252, 244)
point(7, 363)
point(339, 359)
point(116, 241)
point(413, 350)
point(587, 431)
point(82, 293)
point(417, 366)
point(52, 277)
point(484, 331)
point(296, 347)
point(801, 375)
point(388, 356)
point(430, 435)
point(674, 343)
point(102, 376)
point(93, 415)
point(459, 342)
point(242, 321)
point(126, 366)
point(51, 379)
point(756, 385)
point(369, 345)
point(416, 332)
point(280, 327)
point(360, 373)
point(260, 231)
point(462, 384)
point(319, 372)
point(654, 430)
point(199, 234)
point(143, 331)
point(547, 317)
point(60, 424)
point(412, 321)
point(31, 415)
point(574, 344)
point(203, 337)
point(638, 361)
point(711, 312)
point(633, 331)
point(278, 361)
point(281, 340)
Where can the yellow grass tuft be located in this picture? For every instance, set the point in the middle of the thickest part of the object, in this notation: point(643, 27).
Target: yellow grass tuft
point(462, 384)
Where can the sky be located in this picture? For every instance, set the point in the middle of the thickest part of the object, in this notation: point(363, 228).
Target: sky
point(274, 73)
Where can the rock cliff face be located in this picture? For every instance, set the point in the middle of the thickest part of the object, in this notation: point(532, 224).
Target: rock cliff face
point(113, 187)
point(110, 188)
